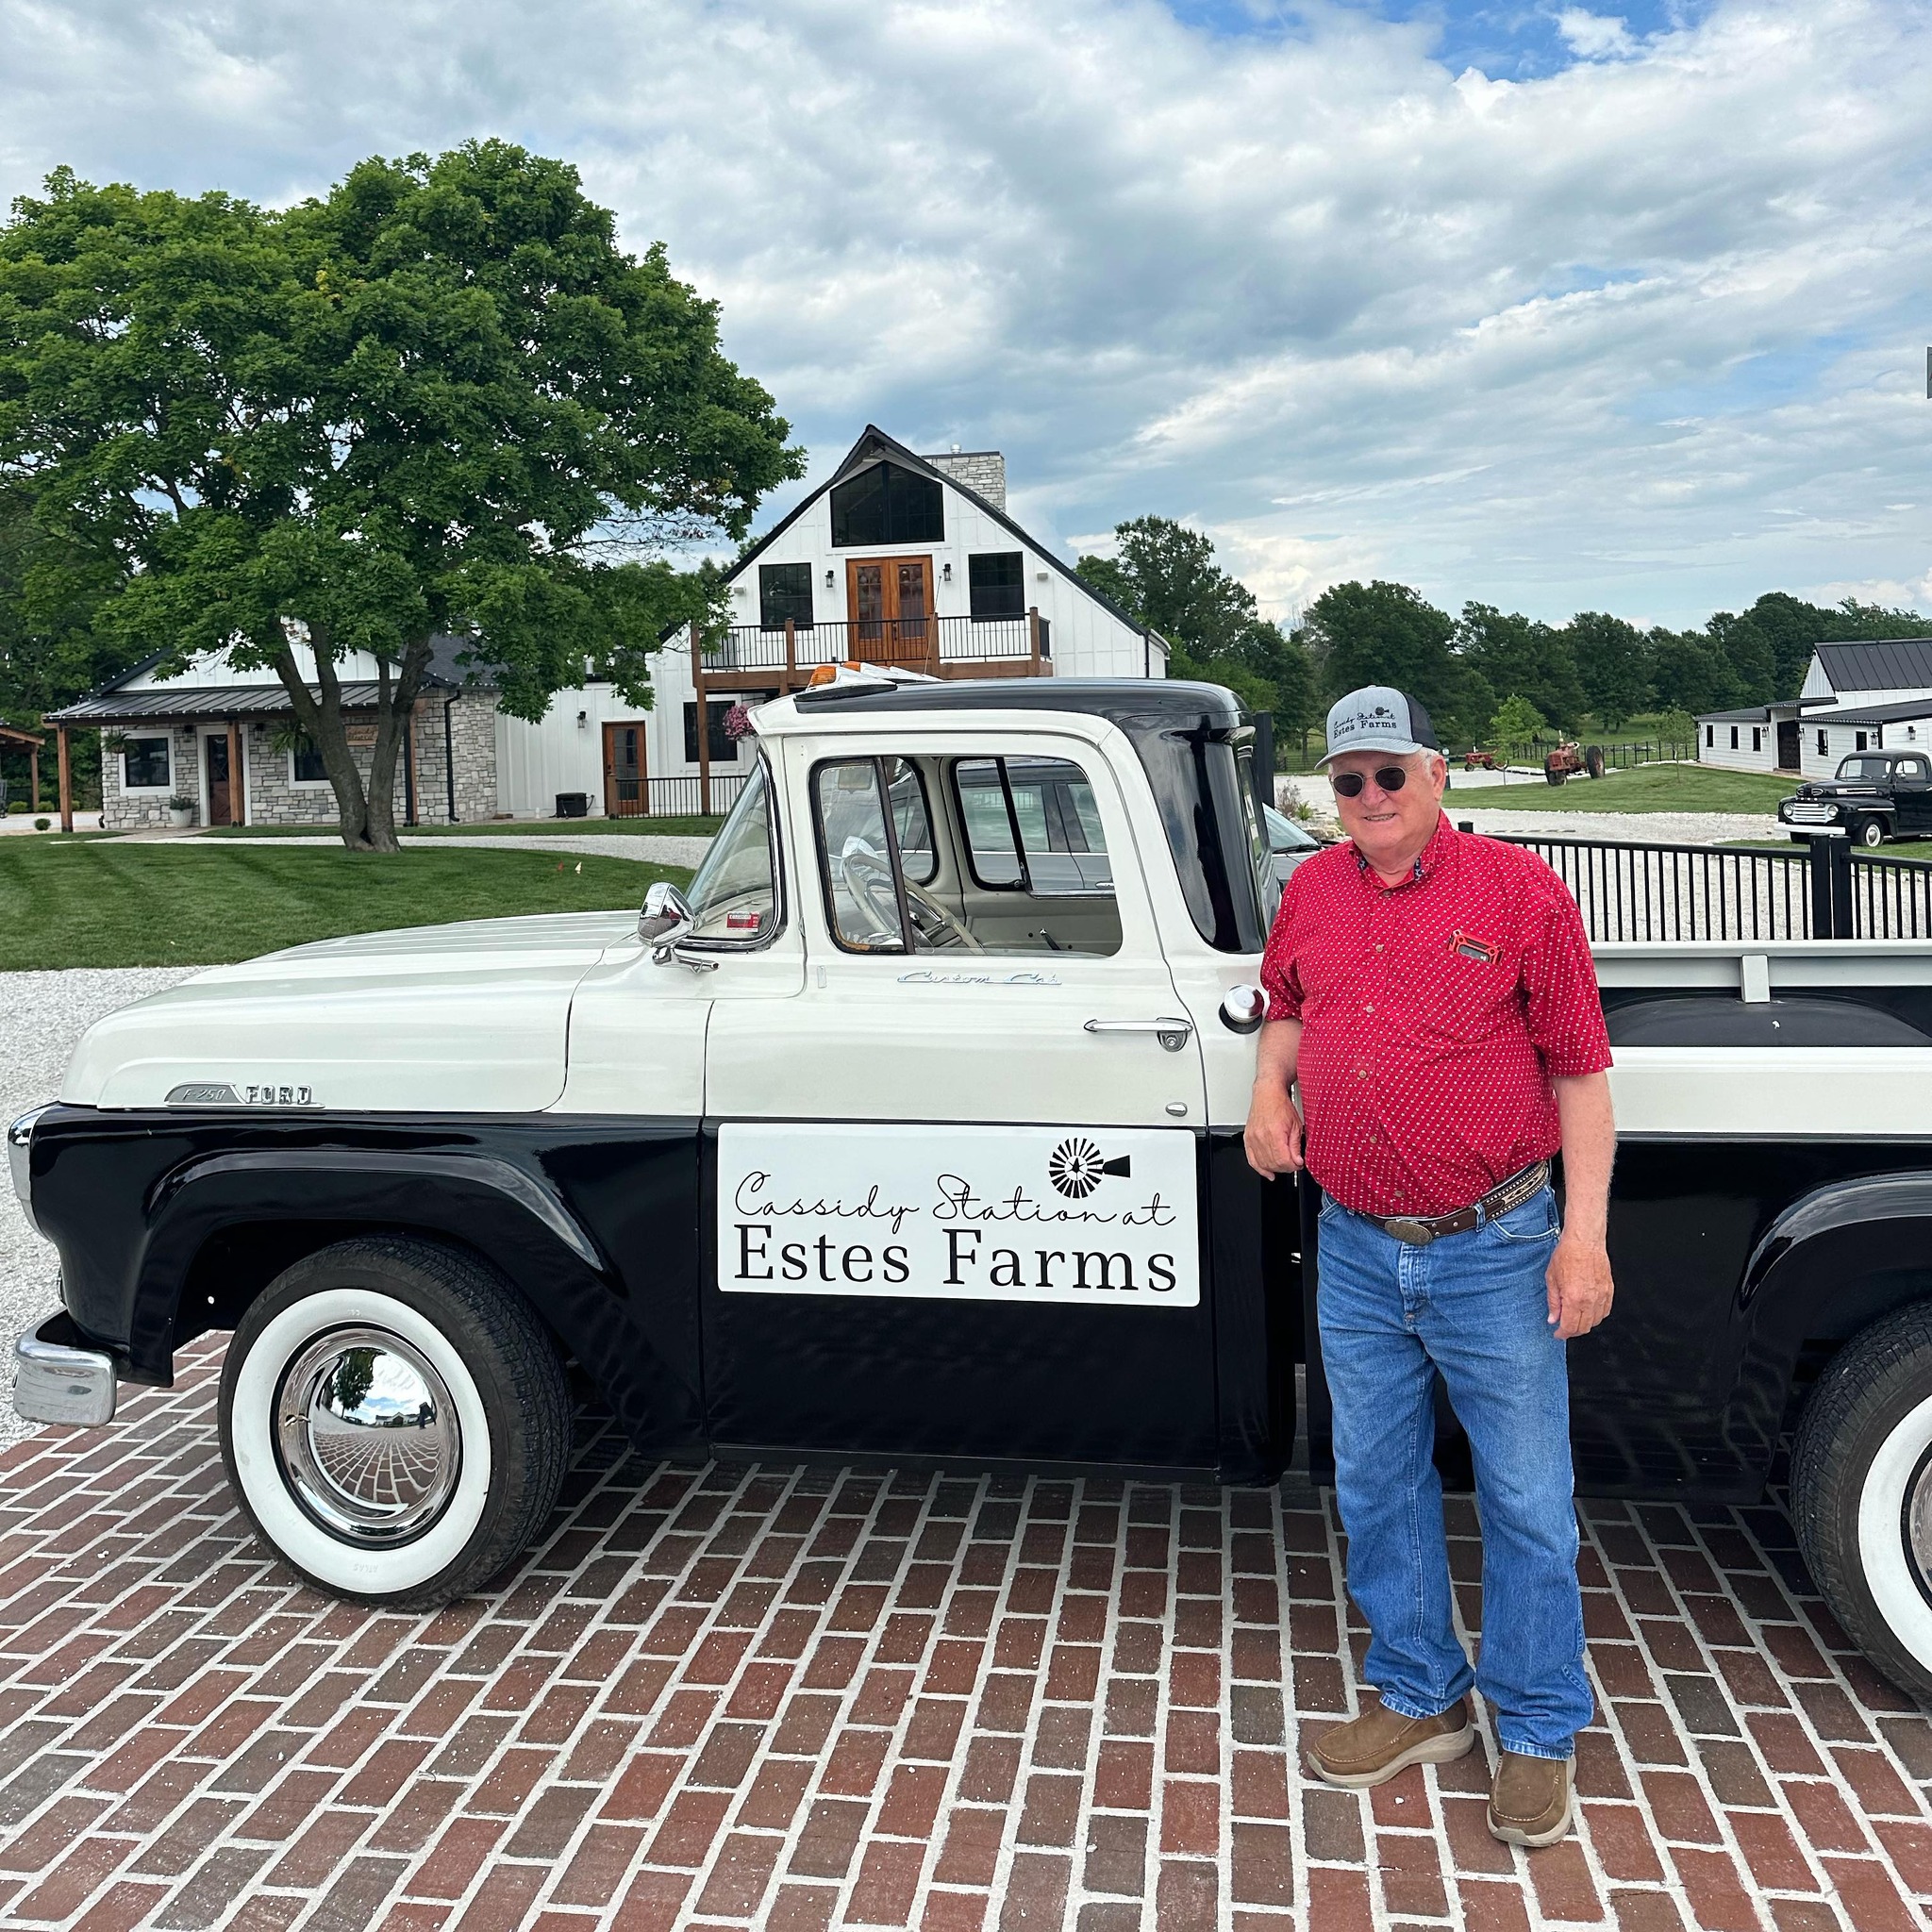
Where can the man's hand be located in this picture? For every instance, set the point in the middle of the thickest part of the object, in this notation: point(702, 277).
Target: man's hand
point(1579, 1282)
point(1274, 1138)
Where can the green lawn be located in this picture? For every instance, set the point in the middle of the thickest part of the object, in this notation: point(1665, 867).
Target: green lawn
point(1646, 788)
point(693, 827)
point(107, 902)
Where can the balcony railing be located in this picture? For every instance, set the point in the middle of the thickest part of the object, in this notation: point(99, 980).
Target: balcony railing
point(910, 643)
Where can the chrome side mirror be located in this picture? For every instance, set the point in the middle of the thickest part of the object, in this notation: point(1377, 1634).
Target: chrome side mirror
point(666, 910)
point(1243, 1009)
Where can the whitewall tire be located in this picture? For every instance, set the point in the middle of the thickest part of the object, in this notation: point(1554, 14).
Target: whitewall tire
point(394, 1421)
point(1861, 1494)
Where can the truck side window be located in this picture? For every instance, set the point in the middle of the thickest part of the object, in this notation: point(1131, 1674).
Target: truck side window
point(1059, 850)
point(733, 897)
point(856, 840)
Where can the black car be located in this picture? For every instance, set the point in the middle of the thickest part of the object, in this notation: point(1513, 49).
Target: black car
point(1875, 796)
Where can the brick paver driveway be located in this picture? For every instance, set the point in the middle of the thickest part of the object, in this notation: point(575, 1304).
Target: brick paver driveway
point(718, 1696)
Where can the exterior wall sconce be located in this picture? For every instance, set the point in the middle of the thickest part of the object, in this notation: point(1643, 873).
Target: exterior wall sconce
point(945, 574)
point(829, 580)
point(583, 720)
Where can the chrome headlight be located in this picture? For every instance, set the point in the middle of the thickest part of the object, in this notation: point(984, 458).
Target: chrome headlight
point(20, 1144)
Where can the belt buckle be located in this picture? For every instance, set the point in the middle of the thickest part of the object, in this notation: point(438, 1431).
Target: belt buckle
point(1417, 1234)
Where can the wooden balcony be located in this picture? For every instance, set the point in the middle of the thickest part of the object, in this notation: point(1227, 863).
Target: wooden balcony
point(750, 658)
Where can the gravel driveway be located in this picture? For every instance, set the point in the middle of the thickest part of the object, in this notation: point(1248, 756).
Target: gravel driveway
point(43, 1016)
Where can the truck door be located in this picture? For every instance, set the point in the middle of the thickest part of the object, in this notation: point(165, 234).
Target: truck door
point(1911, 783)
point(956, 1197)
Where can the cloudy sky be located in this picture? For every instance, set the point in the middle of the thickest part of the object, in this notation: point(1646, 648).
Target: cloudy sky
point(1520, 302)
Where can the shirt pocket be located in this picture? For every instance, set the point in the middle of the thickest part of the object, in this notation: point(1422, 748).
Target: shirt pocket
point(1459, 999)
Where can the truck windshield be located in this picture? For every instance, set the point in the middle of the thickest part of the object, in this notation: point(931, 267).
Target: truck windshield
point(1864, 770)
point(734, 896)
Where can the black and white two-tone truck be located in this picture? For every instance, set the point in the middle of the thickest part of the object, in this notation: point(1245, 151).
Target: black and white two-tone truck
point(912, 1132)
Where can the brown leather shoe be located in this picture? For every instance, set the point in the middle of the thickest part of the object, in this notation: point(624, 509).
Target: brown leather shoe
point(1529, 1803)
point(1371, 1749)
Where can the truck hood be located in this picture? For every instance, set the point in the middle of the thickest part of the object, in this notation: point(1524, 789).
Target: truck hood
point(445, 1019)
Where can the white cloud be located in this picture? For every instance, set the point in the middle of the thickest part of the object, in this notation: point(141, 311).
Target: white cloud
point(1644, 333)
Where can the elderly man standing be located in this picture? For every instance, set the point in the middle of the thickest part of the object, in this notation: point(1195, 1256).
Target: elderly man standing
point(1432, 996)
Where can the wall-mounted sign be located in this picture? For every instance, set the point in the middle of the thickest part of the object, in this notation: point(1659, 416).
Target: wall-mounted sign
point(1089, 1215)
point(361, 736)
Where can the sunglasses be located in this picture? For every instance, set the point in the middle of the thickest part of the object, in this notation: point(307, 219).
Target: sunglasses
point(1349, 784)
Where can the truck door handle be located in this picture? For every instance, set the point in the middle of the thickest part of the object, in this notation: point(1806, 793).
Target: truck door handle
point(1172, 1034)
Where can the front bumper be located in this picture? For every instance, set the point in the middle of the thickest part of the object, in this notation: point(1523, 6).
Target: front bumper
point(56, 1380)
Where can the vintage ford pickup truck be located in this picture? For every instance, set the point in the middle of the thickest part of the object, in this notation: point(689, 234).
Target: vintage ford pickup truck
point(913, 1132)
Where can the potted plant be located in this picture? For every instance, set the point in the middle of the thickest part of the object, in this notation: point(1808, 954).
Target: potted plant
point(180, 813)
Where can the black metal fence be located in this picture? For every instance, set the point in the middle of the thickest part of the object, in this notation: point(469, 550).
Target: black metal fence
point(919, 643)
point(1622, 758)
point(1827, 889)
point(682, 798)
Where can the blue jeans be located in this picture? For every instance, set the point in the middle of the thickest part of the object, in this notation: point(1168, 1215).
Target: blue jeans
point(1472, 1308)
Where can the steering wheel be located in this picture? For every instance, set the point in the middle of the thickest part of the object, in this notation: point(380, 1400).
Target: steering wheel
point(938, 927)
point(867, 880)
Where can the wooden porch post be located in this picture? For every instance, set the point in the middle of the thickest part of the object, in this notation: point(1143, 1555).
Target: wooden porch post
point(791, 654)
point(704, 715)
point(1033, 640)
point(33, 766)
point(238, 785)
point(66, 765)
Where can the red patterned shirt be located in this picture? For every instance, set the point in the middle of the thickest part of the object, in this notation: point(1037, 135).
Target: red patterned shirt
point(1435, 1011)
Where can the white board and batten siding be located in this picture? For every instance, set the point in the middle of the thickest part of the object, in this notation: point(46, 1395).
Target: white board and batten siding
point(1714, 746)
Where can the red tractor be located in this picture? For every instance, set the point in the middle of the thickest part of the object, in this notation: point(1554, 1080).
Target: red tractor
point(1479, 761)
point(1569, 758)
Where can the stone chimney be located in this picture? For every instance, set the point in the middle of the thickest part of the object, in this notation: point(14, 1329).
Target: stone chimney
point(982, 471)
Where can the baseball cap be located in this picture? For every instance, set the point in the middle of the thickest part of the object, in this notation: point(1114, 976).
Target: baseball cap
point(1378, 718)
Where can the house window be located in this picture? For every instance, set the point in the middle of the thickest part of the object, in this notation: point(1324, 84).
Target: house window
point(1734, 737)
point(1824, 749)
point(724, 748)
point(1858, 741)
point(144, 765)
point(1710, 735)
point(888, 505)
point(998, 581)
point(305, 762)
point(1756, 739)
point(784, 596)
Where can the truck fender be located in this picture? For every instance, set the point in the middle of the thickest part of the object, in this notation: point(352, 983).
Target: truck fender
point(1833, 1262)
point(478, 1202)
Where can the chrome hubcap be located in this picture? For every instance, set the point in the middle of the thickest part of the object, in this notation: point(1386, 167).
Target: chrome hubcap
point(367, 1437)
point(1917, 1523)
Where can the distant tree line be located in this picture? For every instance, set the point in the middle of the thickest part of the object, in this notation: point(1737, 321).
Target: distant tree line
point(1488, 675)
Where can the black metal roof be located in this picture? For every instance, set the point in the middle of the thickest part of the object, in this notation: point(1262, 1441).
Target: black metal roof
point(1158, 702)
point(187, 701)
point(1876, 714)
point(113, 706)
point(1747, 714)
point(1880, 664)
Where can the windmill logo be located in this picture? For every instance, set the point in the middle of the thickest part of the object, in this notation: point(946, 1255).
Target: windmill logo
point(1076, 1167)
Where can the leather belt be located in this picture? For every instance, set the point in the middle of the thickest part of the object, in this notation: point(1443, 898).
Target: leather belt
point(1420, 1230)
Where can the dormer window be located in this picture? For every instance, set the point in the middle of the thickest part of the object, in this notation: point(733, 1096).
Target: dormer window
point(888, 505)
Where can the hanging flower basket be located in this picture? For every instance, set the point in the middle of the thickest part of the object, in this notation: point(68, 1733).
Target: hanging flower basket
point(738, 723)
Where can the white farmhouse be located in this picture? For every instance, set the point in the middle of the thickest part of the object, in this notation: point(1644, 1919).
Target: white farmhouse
point(896, 558)
point(1864, 696)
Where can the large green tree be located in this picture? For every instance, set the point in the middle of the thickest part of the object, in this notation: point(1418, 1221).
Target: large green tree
point(1166, 575)
point(1611, 664)
point(1387, 633)
point(1522, 657)
point(440, 399)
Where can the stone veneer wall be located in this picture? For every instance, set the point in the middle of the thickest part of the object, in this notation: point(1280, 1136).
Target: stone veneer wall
point(126, 811)
point(982, 471)
point(276, 799)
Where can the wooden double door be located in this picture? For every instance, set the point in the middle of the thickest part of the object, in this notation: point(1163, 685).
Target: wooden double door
point(891, 620)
